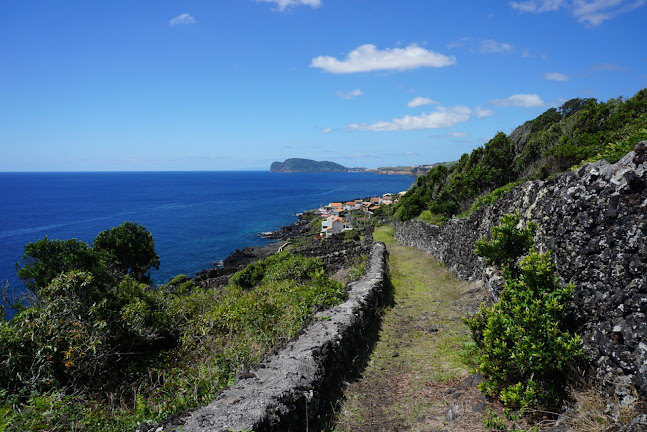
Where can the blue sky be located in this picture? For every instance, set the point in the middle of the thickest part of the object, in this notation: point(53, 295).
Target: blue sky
point(237, 84)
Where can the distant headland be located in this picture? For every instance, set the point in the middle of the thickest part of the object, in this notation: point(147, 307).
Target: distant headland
point(297, 165)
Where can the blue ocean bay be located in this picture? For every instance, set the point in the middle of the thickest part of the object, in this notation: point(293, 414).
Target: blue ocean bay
point(195, 217)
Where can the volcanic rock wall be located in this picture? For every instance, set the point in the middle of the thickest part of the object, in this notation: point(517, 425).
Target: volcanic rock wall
point(594, 220)
point(288, 389)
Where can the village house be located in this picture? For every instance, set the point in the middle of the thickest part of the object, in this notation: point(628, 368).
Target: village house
point(335, 208)
point(332, 225)
point(353, 205)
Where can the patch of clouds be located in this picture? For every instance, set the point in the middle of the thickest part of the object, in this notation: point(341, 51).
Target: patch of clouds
point(590, 12)
point(442, 117)
point(520, 100)
point(419, 101)
point(607, 67)
point(326, 130)
point(457, 134)
point(529, 54)
point(283, 5)
point(350, 94)
point(483, 112)
point(556, 76)
point(490, 46)
point(538, 6)
point(597, 11)
point(367, 58)
point(460, 43)
point(181, 19)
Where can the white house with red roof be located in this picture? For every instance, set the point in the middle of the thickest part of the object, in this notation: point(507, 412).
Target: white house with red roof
point(332, 225)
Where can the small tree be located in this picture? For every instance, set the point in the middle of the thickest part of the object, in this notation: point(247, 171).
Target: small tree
point(46, 259)
point(128, 249)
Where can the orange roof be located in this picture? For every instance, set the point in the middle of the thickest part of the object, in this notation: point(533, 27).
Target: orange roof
point(334, 204)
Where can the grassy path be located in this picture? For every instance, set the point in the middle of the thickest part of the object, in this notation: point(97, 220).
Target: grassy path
point(415, 373)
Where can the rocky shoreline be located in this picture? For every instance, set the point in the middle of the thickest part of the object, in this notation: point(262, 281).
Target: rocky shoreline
point(335, 251)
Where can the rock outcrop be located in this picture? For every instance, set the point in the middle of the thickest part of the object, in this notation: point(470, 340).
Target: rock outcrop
point(594, 220)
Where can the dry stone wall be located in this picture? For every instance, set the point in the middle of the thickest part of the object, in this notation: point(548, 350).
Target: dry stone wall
point(594, 221)
point(288, 389)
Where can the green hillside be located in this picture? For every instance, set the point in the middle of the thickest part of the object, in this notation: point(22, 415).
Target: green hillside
point(578, 131)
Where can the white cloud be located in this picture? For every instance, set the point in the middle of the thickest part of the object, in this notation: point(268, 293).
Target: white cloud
point(491, 46)
point(442, 117)
point(460, 43)
point(419, 101)
point(184, 18)
point(556, 76)
point(286, 4)
point(326, 130)
point(482, 112)
point(368, 58)
point(538, 5)
point(457, 134)
point(349, 95)
point(520, 100)
point(596, 11)
point(591, 12)
point(607, 67)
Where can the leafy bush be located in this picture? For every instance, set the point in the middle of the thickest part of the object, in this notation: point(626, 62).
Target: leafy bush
point(432, 218)
point(352, 235)
point(614, 151)
point(489, 199)
point(522, 344)
point(508, 243)
point(276, 267)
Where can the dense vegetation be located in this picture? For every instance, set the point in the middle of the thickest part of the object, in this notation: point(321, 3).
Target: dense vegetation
point(522, 344)
point(100, 349)
point(578, 131)
point(306, 165)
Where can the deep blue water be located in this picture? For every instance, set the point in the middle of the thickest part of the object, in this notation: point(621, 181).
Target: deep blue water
point(195, 217)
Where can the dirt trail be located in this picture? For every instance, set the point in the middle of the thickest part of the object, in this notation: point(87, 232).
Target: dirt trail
point(415, 379)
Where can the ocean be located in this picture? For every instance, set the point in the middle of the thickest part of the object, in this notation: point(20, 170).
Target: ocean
point(196, 218)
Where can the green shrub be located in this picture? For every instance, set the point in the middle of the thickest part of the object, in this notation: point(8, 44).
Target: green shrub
point(352, 235)
point(522, 344)
point(614, 151)
point(491, 198)
point(432, 218)
point(508, 243)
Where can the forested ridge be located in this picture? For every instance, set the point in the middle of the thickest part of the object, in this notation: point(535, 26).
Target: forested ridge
point(580, 130)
